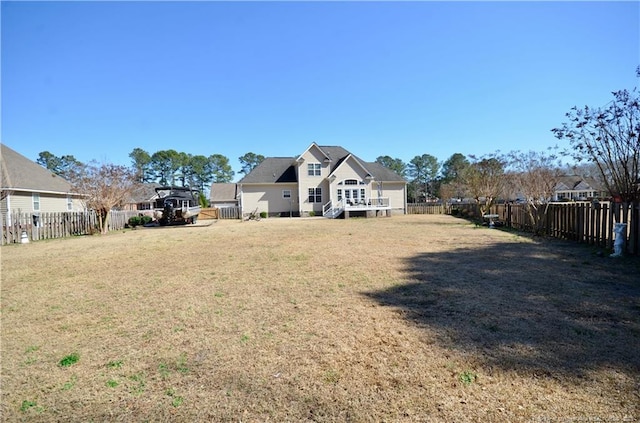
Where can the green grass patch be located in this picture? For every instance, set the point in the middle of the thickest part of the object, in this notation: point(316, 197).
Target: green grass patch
point(467, 377)
point(69, 360)
point(30, 405)
point(115, 364)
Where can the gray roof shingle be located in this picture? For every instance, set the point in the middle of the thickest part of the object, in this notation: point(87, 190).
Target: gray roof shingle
point(223, 192)
point(20, 173)
point(282, 169)
point(271, 170)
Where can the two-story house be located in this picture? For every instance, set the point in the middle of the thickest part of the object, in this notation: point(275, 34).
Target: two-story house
point(322, 181)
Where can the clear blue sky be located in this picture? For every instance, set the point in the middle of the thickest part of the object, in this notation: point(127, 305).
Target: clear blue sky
point(98, 79)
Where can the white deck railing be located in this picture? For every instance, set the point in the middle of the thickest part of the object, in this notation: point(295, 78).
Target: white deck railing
point(369, 204)
point(332, 209)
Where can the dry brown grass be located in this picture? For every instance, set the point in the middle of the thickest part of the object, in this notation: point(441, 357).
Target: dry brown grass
point(409, 318)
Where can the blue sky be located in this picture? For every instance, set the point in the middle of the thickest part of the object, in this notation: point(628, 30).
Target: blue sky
point(98, 79)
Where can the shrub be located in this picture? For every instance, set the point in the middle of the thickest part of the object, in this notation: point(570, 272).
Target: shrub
point(312, 213)
point(263, 215)
point(146, 219)
point(135, 221)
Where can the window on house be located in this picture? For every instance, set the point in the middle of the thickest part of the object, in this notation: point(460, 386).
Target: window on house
point(69, 203)
point(286, 193)
point(35, 197)
point(339, 195)
point(351, 182)
point(315, 195)
point(313, 169)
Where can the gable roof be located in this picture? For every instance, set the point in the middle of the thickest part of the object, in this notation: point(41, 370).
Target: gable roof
point(379, 173)
point(577, 183)
point(143, 193)
point(223, 192)
point(282, 169)
point(316, 146)
point(272, 169)
point(21, 174)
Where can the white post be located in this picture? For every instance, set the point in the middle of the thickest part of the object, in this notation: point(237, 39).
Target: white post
point(620, 230)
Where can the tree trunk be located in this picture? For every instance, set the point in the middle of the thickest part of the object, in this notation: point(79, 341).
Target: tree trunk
point(104, 221)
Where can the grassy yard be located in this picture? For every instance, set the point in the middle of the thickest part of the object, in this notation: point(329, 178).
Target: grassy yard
point(403, 319)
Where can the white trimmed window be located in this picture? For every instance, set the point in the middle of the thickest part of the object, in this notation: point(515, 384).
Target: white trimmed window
point(313, 169)
point(286, 193)
point(69, 203)
point(35, 197)
point(315, 195)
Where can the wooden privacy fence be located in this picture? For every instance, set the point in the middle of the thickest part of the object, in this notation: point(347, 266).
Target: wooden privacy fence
point(427, 208)
point(590, 223)
point(220, 213)
point(56, 225)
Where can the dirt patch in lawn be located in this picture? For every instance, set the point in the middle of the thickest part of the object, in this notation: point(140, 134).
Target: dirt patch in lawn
point(409, 318)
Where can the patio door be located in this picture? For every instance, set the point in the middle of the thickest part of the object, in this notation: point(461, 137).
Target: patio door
point(354, 196)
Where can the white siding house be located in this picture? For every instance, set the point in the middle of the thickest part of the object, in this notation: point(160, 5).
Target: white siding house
point(323, 181)
point(577, 188)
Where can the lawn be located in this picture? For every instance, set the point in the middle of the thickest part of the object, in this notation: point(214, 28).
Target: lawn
point(402, 319)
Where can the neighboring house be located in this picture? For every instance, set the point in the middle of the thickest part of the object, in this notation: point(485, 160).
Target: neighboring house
point(577, 188)
point(323, 180)
point(143, 197)
point(27, 187)
point(223, 195)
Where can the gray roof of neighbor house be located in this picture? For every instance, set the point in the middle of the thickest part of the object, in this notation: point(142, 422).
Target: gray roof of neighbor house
point(575, 182)
point(223, 192)
point(143, 193)
point(21, 174)
point(282, 169)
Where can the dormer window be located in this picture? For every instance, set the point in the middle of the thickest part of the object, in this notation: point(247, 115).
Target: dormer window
point(313, 169)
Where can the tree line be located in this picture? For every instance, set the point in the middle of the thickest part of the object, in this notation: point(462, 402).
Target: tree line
point(166, 167)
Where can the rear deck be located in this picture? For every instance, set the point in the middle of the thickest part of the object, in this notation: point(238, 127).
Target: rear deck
point(374, 207)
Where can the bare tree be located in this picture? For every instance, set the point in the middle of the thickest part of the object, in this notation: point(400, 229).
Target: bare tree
point(534, 176)
point(105, 187)
point(609, 137)
point(484, 178)
point(451, 190)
